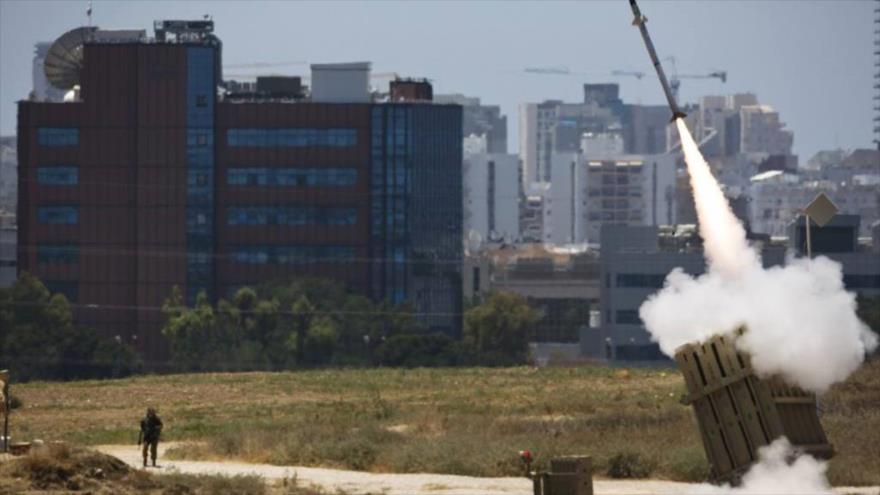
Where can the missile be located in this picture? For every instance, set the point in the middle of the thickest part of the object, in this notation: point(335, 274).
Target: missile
point(640, 20)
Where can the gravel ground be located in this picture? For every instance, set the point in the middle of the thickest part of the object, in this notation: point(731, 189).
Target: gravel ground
point(357, 482)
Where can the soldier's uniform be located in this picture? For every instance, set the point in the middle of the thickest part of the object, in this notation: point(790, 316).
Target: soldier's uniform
point(151, 429)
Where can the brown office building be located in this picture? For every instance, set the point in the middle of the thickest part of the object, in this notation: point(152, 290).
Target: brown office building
point(150, 177)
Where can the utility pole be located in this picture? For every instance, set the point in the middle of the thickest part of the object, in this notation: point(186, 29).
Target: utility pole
point(4, 380)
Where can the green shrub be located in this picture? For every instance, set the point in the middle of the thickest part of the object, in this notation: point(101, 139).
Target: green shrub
point(419, 350)
point(629, 465)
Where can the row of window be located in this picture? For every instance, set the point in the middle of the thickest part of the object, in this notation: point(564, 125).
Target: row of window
point(646, 280)
point(292, 137)
point(245, 215)
point(261, 138)
point(291, 255)
point(628, 317)
point(301, 177)
point(623, 192)
point(58, 215)
point(861, 281)
point(58, 254)
point(290, 215)
point(52, 137)
point(58, 176)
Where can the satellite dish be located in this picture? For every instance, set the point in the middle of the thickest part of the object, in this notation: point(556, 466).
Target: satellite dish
point(65, 57)
point(474, 242)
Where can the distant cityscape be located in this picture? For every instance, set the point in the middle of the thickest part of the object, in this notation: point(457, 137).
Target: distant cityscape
point(151, 170)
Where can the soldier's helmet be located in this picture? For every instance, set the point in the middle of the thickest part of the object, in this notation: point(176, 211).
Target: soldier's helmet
point(151, 411)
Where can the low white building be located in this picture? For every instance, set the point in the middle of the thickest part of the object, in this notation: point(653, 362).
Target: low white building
point(602, 143)
point(588, 192)
point(491, 195)
point(778, 198)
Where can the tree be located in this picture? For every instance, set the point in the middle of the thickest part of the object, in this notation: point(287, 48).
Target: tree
point(868, 309)
point(192, 334)
point(39, 340)
point(422, 350)
point(302, 313)
point(321, 340)
point(500, 328)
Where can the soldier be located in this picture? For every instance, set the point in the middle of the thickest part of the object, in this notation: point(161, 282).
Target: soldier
point(151, 428)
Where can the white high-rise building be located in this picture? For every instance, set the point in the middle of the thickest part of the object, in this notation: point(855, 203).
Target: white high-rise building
point(588, 192)
point(528, 142)
point(491, 196)
point(561, 200)
point(763, 132)
point(624, 190)
point(556, 127)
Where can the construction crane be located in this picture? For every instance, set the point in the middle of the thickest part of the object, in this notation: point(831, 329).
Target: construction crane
point(263, 65)
point(675, 78)
point(565, 71)
point(635, 73)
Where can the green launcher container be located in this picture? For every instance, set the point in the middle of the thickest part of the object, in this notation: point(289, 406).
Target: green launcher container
point(738, 413)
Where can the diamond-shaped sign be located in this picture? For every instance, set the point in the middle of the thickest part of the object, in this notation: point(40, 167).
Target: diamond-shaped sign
point(821, 210)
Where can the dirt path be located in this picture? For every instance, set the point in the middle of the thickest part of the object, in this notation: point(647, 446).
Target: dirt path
point(357, 482)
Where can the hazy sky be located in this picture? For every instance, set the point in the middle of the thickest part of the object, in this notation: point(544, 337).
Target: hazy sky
point(810, 59)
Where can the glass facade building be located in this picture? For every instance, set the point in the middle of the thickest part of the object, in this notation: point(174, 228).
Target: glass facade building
point(200, 96)
point(416, 210)
point(151, 181)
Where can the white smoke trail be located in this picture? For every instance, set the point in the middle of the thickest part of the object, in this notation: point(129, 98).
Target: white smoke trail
point(723, 235)
point(797, 316)
point(777, 474)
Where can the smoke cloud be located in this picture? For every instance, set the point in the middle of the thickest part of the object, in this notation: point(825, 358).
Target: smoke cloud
point(801, 322)
point(780, 471)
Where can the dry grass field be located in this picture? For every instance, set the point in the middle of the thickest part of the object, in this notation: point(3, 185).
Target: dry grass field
point(461, 421)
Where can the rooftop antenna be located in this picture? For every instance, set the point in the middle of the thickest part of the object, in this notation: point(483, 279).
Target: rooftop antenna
point(89, 13)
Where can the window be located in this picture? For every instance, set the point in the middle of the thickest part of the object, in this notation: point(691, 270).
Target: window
point(201, 101)
point(853, 281)
point(290, 255)
point(291, 137)
point(653, 281)
point(628, 317)
point(58, 176)
point(290, 215)
point(69, 289)
point(58, 254)
point(58, 215)
point(52, 137)
point(286, 177)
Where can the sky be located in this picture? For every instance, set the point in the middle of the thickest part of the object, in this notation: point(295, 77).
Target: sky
point(812, 60)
